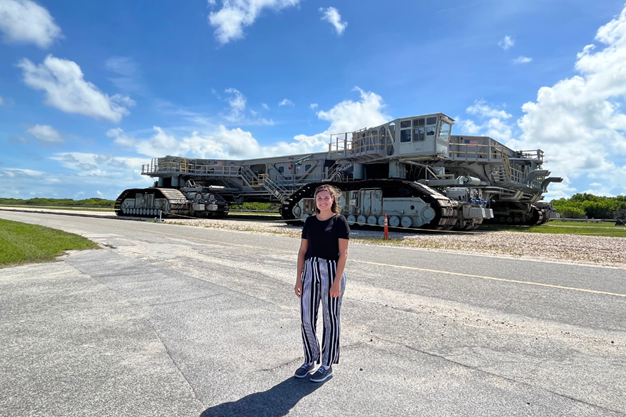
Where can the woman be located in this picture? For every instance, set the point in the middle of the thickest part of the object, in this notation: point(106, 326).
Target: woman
point(321, 262)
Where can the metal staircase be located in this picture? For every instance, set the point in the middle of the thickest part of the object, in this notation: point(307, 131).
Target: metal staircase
point(335, 173)
point(500, 175)
point(280, 192)
point(249, 177)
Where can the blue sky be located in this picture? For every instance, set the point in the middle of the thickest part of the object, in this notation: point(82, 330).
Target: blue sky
point(91, 90)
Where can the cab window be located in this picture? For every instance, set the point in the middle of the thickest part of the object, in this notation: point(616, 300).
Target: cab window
point(418, 134)
point(444, 131)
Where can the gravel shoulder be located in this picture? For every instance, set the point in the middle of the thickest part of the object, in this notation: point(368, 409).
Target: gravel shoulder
point(578, 249)
point(588, 250)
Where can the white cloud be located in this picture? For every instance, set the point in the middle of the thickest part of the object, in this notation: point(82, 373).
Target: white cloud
point(160, 144)
point(499, 130)
point(201, 145)
point(66, 90)
point(493, 122)
point(235, 114)
point(222, 142)
point(468, 127)
point(265, 106)
point(578, 121)
point(237, 103)
point(79, 175)
point(7, 102)
point(234, 15)
point(522, 60)
point(302, 144)
point(233, 142)
point(332, 16)
point(286, 102)
point(18, 139)
point(128, 74)
point(24, 21)
point(481, 108)
point(46, 135)
point(558, 190)
point(348, 116)
point(121, 139)
point(506, 43)
point(313, 106)
point(19, 172)
point(98, 165)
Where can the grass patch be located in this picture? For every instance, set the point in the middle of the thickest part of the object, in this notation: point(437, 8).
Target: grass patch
point(24, 243)
point(559, 227)
point(608, 225)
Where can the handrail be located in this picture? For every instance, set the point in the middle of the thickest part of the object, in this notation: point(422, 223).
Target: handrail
point(279, 192)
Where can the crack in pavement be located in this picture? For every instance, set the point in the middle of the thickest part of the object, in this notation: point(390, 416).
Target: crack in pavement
point(473, 368)
point(154, 331)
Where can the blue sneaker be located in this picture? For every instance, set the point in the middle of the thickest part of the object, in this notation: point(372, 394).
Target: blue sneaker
point(304, 370)
point(322, 374)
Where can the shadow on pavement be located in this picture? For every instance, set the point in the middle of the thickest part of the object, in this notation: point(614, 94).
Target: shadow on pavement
point(275, 402)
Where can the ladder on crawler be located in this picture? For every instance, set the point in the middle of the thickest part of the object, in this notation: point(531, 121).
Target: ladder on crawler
point(263, 180)
point(280, 192)
point(335, 172)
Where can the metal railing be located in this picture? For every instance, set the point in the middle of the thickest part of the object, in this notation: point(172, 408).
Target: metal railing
point(536, 154)
point(250, 178)
point(279, 191)
point(476, 150)
point(190, 166)
point(355, 144)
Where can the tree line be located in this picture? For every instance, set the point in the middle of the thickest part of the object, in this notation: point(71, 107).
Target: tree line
point(62, 202)
point(103, 203)
point(584, 205)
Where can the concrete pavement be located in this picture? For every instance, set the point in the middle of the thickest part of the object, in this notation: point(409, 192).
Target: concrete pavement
point(168, 320)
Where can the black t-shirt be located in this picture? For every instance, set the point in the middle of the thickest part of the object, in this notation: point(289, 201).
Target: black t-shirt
point(323, 236)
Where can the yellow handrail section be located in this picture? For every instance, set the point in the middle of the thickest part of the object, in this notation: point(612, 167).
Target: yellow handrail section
point(355, 144)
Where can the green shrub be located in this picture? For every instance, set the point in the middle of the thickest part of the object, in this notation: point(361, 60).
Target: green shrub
point(591, 206)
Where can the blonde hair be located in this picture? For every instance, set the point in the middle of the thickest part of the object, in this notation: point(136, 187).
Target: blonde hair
point(334, 194)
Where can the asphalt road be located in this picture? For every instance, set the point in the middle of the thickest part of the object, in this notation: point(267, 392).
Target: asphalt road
point(179, 321)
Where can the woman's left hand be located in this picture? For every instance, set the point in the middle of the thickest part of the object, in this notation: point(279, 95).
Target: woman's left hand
point(335, 289)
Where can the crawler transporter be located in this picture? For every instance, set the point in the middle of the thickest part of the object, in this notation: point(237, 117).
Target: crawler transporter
point(411, 169)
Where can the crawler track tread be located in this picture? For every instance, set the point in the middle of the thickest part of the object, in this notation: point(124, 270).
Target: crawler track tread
point(445, 218)
point(177, 201)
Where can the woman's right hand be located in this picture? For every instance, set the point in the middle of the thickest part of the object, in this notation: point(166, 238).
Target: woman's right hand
point(298, 288)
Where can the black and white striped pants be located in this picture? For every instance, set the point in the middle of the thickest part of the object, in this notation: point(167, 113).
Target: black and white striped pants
point(317, 278)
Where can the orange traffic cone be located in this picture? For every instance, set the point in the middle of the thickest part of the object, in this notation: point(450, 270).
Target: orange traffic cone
point(386, 228)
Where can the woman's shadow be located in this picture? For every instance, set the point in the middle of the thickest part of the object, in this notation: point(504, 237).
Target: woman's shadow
point(275, 402)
